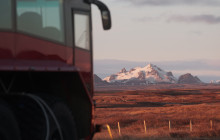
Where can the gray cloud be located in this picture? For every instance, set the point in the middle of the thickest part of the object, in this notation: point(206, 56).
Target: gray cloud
point(196, 33)
point(173, 2)
point(208, 19)
point(147, 19)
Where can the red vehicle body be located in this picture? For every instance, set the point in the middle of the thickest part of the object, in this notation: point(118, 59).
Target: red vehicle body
point(46, 61)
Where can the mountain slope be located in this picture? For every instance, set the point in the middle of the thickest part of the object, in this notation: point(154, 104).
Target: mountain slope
point(188, 79)
point(99, 81)
point(146, 75)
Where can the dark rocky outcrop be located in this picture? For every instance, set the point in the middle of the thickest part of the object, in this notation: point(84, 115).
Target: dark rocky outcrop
point(189, 79)
point(112, 77)
point(169, 73)
point(123, 70)
point(141, 75)
point(99, 81)
point(133, 69)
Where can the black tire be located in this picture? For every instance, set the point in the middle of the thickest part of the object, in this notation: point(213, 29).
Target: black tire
point(66, 122)
point(32, 123)
point(30, 117)
point(9, 129)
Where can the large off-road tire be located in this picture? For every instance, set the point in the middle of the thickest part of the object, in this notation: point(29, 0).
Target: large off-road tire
point(9, 129)
point(66, 122)
point(31, 119)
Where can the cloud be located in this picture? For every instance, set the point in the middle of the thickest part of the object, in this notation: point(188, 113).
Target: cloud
point(173, 2)
point(196, 32)
point(208, 19)
point(198, 72)
point(147, 19)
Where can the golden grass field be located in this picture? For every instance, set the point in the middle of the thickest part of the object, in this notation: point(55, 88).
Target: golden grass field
point(157, 106)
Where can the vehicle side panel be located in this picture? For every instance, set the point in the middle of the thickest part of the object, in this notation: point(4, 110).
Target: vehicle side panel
point(7, 48)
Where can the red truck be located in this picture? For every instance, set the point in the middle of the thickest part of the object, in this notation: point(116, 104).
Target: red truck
point(46, 69)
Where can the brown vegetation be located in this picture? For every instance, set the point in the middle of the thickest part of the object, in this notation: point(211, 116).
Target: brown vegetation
point(157, 107)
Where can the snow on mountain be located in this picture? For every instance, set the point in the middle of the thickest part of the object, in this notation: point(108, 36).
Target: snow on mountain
point(215, 82)
point(146, 75)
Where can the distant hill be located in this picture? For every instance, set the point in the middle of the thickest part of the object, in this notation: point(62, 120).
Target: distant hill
point(215, 81)
point(189, 79)
point(98, 81)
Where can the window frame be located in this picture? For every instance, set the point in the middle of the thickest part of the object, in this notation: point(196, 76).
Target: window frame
point(83, 12)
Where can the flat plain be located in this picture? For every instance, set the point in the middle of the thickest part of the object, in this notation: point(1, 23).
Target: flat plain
point(166, 109)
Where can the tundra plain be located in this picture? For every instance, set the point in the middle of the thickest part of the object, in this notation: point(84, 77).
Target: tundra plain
point(158, 105)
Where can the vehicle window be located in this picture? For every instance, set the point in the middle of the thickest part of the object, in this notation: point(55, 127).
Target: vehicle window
point(82, 31)
point(5, 14)
point(42, 18)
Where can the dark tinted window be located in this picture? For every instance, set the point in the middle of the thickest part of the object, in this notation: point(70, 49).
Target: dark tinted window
point(42, 18)
point(5, 14)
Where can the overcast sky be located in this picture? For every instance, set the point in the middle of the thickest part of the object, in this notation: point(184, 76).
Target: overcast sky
point(159, 30)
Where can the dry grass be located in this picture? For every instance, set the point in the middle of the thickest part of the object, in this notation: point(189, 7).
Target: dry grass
point(157, 107)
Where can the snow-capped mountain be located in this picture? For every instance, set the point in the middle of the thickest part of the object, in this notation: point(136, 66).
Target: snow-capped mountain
point(146, 75)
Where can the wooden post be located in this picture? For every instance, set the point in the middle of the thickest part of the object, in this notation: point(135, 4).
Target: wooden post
point(145, 128)
point(211, 124)
point(119, 129)
point(190, 125)
point(109, 131)
point(169, 126)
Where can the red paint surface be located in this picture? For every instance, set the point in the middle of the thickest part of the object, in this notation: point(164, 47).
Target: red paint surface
point(7, 48)
point(84, 63)
point(17, 47)
point(22, 51)
point(83, 60)
point(32, 48)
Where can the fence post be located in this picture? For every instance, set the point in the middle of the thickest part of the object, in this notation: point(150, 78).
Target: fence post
point(145, 128)
point(169, 125)
point(109, 131)
point(190, 125)
point(119, 129)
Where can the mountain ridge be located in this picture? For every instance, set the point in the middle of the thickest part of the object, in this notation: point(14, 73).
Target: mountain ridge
point(142, 75)
point(149, 74)
point(207, 70)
